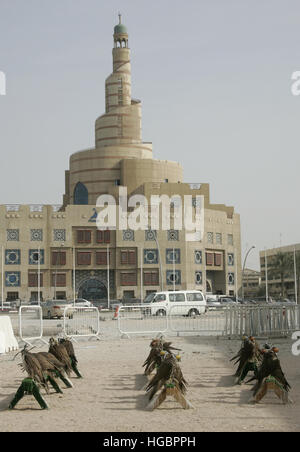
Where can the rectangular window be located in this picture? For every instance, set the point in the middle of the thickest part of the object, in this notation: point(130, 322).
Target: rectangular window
point(210, 237)
point(128, 257)
point(128, 279)
point(124, 257)
point(128, 294)
point(102, 236)
point(101, 258)
point(84, 236)
point(59, 279)
point(34, 296)
point(176, 297)
point(218, 259)
point(33, 280)
point(194, 296)
point(12, 296)
point(58, 258)
point(151, 278)
point(209, 258)
point(84, 258)
point(132, 257)
point(219, 238)
point(230, 239)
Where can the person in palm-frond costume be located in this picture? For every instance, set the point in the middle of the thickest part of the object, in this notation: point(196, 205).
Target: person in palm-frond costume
point(249, 357)
point(71, 352)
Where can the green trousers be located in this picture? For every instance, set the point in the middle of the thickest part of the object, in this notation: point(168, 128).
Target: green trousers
point(28, 386)
point(75, 369)
point(247, 368)
point(63, 379)
point(53, 384)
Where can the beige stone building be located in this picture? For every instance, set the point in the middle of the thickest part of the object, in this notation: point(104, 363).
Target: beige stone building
point(60, 250)
point(281, 278)
point(251, 283)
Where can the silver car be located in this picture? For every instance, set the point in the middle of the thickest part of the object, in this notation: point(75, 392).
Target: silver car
point(55, 308)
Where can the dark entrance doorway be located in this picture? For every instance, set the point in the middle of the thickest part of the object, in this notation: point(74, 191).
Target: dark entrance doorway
point(92, 290)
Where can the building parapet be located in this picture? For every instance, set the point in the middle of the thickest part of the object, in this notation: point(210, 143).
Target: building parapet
point(195, 186)
point(31, 207)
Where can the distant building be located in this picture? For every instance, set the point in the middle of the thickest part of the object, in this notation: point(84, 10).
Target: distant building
point(281, 283)
point(72, 254)
point(251, 283)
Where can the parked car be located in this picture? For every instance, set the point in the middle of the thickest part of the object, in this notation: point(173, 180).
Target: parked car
point(285, 302)
point(184, 302)
point(248, 302)
point(55, 308)
point(82, 303)
point(212, 297)
point(227, 301)
point(7, 306)
point(212, 303)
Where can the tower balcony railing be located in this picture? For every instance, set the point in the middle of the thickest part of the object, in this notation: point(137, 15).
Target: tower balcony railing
point(36, 207)
point(32, 207)
point(12, 207)
point(195, 186)
point(56, 207)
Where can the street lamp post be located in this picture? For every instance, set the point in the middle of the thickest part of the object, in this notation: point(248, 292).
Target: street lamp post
point(247, 254)
point(160, 263)
point(295, 276)
point(266, 277)
point(57, 262)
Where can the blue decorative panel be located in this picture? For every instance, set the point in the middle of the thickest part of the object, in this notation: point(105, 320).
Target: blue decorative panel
point(34, 257)
point(13, 235)
point(173, 256)
point(151, 256)
point(59, 235)
point(198, 278)
point(81, 194)
point(12, 257)
point(150, 235)
point(173, 235)
point(231, 279)
point(230, 259)
point(198, 257)
point(128, 235)
point(36, 235)
point(12, 279)
point(171, 275)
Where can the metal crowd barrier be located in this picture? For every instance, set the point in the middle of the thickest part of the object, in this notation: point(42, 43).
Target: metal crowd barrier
point(138, 320)
point(190, 320)
point(263, 320)
point(81, 322)
point(230, 321)
point(31, 324)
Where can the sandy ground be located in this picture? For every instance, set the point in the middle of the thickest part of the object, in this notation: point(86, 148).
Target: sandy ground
point(110, 397)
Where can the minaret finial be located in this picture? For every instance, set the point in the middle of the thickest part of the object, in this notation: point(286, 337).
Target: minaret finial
point(120, 18)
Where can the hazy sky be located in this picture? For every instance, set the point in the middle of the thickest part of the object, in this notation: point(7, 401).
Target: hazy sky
point(214, 77)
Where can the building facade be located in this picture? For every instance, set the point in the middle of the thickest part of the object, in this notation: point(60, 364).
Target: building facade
point(58, 251)
point(278, 269)
point(251, 283)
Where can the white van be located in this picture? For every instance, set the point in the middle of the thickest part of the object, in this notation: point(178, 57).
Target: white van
point(184, 302)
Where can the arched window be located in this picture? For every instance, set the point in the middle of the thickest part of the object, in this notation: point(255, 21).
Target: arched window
point(81, 194)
